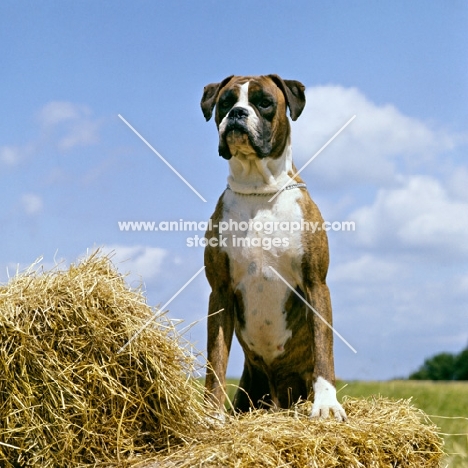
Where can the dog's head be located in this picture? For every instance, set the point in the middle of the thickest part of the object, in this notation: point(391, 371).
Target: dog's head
point(251, 113)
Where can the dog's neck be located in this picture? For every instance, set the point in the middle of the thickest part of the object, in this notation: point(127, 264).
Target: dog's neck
point(250, 174)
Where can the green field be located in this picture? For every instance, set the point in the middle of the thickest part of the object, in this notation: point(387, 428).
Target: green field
point(445, 402)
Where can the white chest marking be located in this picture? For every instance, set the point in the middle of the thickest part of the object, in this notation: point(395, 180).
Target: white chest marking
point(251, 253)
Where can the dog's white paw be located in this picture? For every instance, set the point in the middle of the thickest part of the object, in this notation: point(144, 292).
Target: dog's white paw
point(325, 400)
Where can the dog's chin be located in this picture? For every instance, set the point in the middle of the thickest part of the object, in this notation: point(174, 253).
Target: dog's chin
point(240, 146)
point(236, 143)
point(236, 138)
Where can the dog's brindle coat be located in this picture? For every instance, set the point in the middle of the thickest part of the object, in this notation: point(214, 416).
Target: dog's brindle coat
point(288, 348)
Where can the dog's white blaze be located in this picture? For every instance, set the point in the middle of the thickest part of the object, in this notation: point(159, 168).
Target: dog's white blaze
point(243, 96)
point(263, 293)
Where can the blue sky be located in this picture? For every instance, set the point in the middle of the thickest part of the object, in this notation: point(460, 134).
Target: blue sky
point(70, 169)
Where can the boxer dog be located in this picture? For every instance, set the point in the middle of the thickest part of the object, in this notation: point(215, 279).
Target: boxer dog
point(288, 346)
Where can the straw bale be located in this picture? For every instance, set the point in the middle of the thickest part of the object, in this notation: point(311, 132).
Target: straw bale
point(379, 433)
point(67, 396)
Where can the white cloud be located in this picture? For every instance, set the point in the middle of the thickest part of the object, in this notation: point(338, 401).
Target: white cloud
point(364, 269)
point(10, 155)
point(372, 147)
point(419, 214)
point(137, 262)
point(13, 155)
point(64, 125)
point(57, 112)
point(402, 285)
point(81, 133)
point(458, 183)
point(69, 124)
point(140, 262)
point(32, 204)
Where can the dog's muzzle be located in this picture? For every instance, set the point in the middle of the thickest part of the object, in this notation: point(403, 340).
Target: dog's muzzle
point(259, 139)
point(236, 122)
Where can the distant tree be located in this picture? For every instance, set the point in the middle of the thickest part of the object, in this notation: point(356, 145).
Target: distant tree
point(461, 365)
point(439, 367)
point(444, 366)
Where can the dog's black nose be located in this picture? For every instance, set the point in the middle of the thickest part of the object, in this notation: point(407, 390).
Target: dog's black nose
point(238, 113)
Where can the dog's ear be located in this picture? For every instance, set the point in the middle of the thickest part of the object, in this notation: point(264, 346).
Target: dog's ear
point(294, 93)
point(210, 94)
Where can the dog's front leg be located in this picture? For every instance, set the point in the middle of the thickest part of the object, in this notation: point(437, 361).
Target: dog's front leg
point(324, 370)
point(220, 332)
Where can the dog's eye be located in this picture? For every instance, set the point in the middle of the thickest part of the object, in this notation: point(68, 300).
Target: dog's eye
point(265, 103)
point(226, 104)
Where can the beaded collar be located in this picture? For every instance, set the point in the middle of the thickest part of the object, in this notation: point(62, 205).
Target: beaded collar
point(288, 187)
